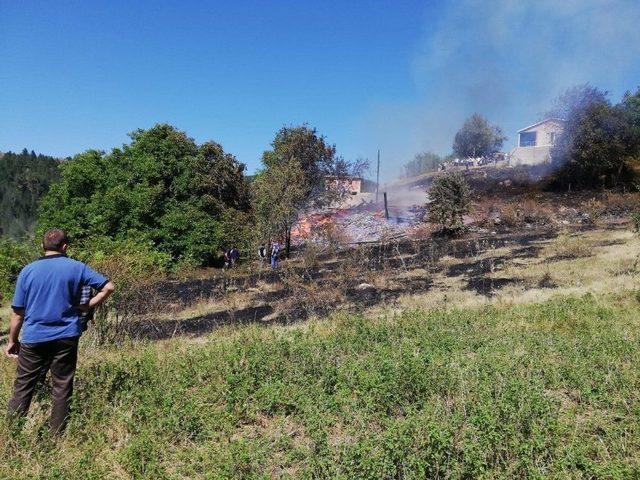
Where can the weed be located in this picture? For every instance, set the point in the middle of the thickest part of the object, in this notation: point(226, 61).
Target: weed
point(568, 246)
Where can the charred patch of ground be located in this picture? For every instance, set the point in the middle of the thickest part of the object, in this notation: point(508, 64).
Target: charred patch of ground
point(197, 326)
point(515, 258)
point(353, 279)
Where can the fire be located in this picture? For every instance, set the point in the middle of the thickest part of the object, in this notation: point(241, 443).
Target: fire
point(306, 225)
point(356, 224)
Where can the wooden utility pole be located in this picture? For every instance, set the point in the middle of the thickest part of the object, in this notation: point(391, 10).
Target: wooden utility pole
point(378, 177)
point(386, 208)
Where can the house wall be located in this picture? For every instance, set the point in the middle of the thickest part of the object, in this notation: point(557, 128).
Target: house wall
point(543, 133)
point(541, 153)
point(531, 155)
point(349, 185)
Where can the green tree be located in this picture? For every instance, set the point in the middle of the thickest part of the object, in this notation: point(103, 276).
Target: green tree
point(630, 109)
point(450, 199)
point(311, 151)
point(599, 143)
point(161, 188)
point(293, 179)
point(477, 138)
point(576, 99)
point(423, 162)
point(281, 193)
point(24, 179)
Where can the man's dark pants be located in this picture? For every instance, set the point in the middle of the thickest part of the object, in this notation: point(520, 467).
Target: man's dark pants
point(61, 357)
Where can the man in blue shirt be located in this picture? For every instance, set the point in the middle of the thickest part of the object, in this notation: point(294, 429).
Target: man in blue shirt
point(46, 307)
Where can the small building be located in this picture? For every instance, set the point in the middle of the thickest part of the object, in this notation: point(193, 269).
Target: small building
point(350, 185)
point(535, 142)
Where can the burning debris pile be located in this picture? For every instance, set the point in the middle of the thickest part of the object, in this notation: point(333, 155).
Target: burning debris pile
point(370, 226)
point(362, 224)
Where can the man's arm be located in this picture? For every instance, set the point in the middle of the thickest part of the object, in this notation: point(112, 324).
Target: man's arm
point(102, 295)
point(15, 325)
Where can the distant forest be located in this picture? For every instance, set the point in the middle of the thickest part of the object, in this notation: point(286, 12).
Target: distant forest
point(24, 178)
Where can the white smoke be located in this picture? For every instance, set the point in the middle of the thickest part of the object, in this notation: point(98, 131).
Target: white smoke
point(506, 59)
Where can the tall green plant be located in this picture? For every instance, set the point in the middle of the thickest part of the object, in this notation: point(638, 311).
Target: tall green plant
point(600, 144)
point(477, 138)
point(450, 197)
point(293, 179)
point(423, 162)
point(13, 256)
point(161, 188)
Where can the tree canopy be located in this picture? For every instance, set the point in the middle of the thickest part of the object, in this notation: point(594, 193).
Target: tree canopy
point(423, 162)
point(576, 99)
point(600, 144)
point(477, 138)
point(24, 178)
point(161, 188)
point(293, 179)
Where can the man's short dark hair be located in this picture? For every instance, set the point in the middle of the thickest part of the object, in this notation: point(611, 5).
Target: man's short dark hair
point(55, 239)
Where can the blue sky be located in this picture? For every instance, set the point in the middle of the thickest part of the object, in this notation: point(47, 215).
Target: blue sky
point(396, 75)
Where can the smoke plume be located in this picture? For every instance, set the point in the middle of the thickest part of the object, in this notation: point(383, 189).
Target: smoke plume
point(506, 59)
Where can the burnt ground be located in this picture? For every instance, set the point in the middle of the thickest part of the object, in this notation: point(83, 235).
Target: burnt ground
point(512, 223)
point(352, 280)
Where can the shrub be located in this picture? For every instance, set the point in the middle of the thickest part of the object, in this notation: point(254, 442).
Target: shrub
point(13, 256)
point(566, 247)
point(135, 268)
point(526, 211)
point(450, 197)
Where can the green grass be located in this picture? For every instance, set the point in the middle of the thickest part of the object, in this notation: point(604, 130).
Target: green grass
point(535, 391)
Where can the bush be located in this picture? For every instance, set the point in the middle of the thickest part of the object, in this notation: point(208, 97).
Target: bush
point(567, 247)
point(450, 197)
point(13, 256)
point(135, 268)
point(161, 187)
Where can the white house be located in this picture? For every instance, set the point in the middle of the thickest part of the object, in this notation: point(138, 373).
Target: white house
point(535, 142)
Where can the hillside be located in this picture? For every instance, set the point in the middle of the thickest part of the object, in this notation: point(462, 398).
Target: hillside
point(539, 390)
point(24, 179)
point(507, 352)
point(502, 354)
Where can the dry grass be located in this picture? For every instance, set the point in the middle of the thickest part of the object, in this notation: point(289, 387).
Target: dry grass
point(491, 211)
point(601, 261)
point(568, 246)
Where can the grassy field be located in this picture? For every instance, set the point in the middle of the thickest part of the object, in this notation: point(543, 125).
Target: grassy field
point(516, 391)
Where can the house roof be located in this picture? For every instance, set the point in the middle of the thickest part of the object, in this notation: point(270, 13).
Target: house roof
point(540, 123)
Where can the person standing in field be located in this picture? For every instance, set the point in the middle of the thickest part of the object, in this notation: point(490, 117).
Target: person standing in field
point(46, 309)
point(234, 254)
point(275, 251)
point(262, 253)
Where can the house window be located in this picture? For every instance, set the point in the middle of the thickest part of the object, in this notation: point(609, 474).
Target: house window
point(528, 139)
point(552, 138)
